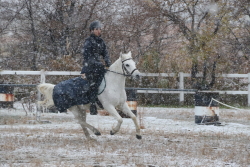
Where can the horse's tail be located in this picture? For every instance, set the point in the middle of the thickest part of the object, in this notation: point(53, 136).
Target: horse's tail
point(47, 90)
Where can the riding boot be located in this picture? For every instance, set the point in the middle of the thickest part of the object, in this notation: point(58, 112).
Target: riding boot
point(93, 109)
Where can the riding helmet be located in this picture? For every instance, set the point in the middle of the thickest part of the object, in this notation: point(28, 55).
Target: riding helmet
point(95, 24)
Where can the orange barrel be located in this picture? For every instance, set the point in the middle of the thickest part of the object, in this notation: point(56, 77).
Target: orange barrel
point(132, 100)
point(6, 96)
point(205, 110)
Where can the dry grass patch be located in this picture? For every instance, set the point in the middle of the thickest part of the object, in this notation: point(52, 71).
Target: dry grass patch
point(235, 115)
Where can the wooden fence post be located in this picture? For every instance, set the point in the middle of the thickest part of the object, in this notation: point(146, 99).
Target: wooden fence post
point(42, 76)
point(181, 86)
point(42, 80)
point(248, 90)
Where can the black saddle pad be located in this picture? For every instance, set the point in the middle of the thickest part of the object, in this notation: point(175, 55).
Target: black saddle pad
point(71, 92)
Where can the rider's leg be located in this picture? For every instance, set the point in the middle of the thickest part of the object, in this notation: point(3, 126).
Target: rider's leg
point(93, 96)
point(95, 80)
point(92, 92)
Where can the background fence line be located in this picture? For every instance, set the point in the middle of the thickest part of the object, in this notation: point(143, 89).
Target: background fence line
point(181, 91)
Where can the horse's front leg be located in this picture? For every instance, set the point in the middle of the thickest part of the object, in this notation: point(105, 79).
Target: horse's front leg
point(126, 110)
point(111, 110)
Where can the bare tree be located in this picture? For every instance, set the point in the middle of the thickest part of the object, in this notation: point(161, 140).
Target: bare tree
point(137, 29)
point(9, 11)
point(199, 22)
point(53, 33)
point(49, 34)
point(239, 38)
point(30, 16)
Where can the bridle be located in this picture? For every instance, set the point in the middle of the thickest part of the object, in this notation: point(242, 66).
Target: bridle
point(125, 73)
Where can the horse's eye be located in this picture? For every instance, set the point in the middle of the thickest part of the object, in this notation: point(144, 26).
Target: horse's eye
point(127, 65)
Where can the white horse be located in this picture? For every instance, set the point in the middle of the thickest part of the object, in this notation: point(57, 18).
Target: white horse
point(113, 97)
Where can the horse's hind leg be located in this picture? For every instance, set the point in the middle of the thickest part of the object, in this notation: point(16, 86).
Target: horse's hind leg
point(80, 114)
point(84, 117)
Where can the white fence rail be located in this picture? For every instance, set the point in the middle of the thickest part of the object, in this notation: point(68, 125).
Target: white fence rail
point(181, 76)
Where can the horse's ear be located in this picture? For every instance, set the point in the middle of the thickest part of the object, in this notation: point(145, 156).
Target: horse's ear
point(129, 53)
point(120, 54)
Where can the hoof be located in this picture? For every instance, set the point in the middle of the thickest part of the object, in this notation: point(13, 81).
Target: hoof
point(138, 136)
point(111, 132)
point(97, 133)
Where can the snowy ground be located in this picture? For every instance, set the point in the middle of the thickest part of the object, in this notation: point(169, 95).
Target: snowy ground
point(169, 138)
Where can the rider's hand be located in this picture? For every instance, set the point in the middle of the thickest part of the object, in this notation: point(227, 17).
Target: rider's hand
point(83, 76)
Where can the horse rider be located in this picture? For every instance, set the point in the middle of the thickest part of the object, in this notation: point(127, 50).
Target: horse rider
point(93, 49)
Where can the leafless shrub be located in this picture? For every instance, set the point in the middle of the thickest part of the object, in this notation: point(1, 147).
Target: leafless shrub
point(29, 103)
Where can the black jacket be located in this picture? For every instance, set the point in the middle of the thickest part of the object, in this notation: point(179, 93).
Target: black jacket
point(94, 47)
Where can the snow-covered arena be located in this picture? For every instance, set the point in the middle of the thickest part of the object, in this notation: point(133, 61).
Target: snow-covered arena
point(169, 138)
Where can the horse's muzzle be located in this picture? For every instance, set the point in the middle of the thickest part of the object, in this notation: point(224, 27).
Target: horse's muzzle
point(137, 77)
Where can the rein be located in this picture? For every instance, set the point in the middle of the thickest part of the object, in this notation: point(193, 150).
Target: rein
point(124, 70)
point(119, 73)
